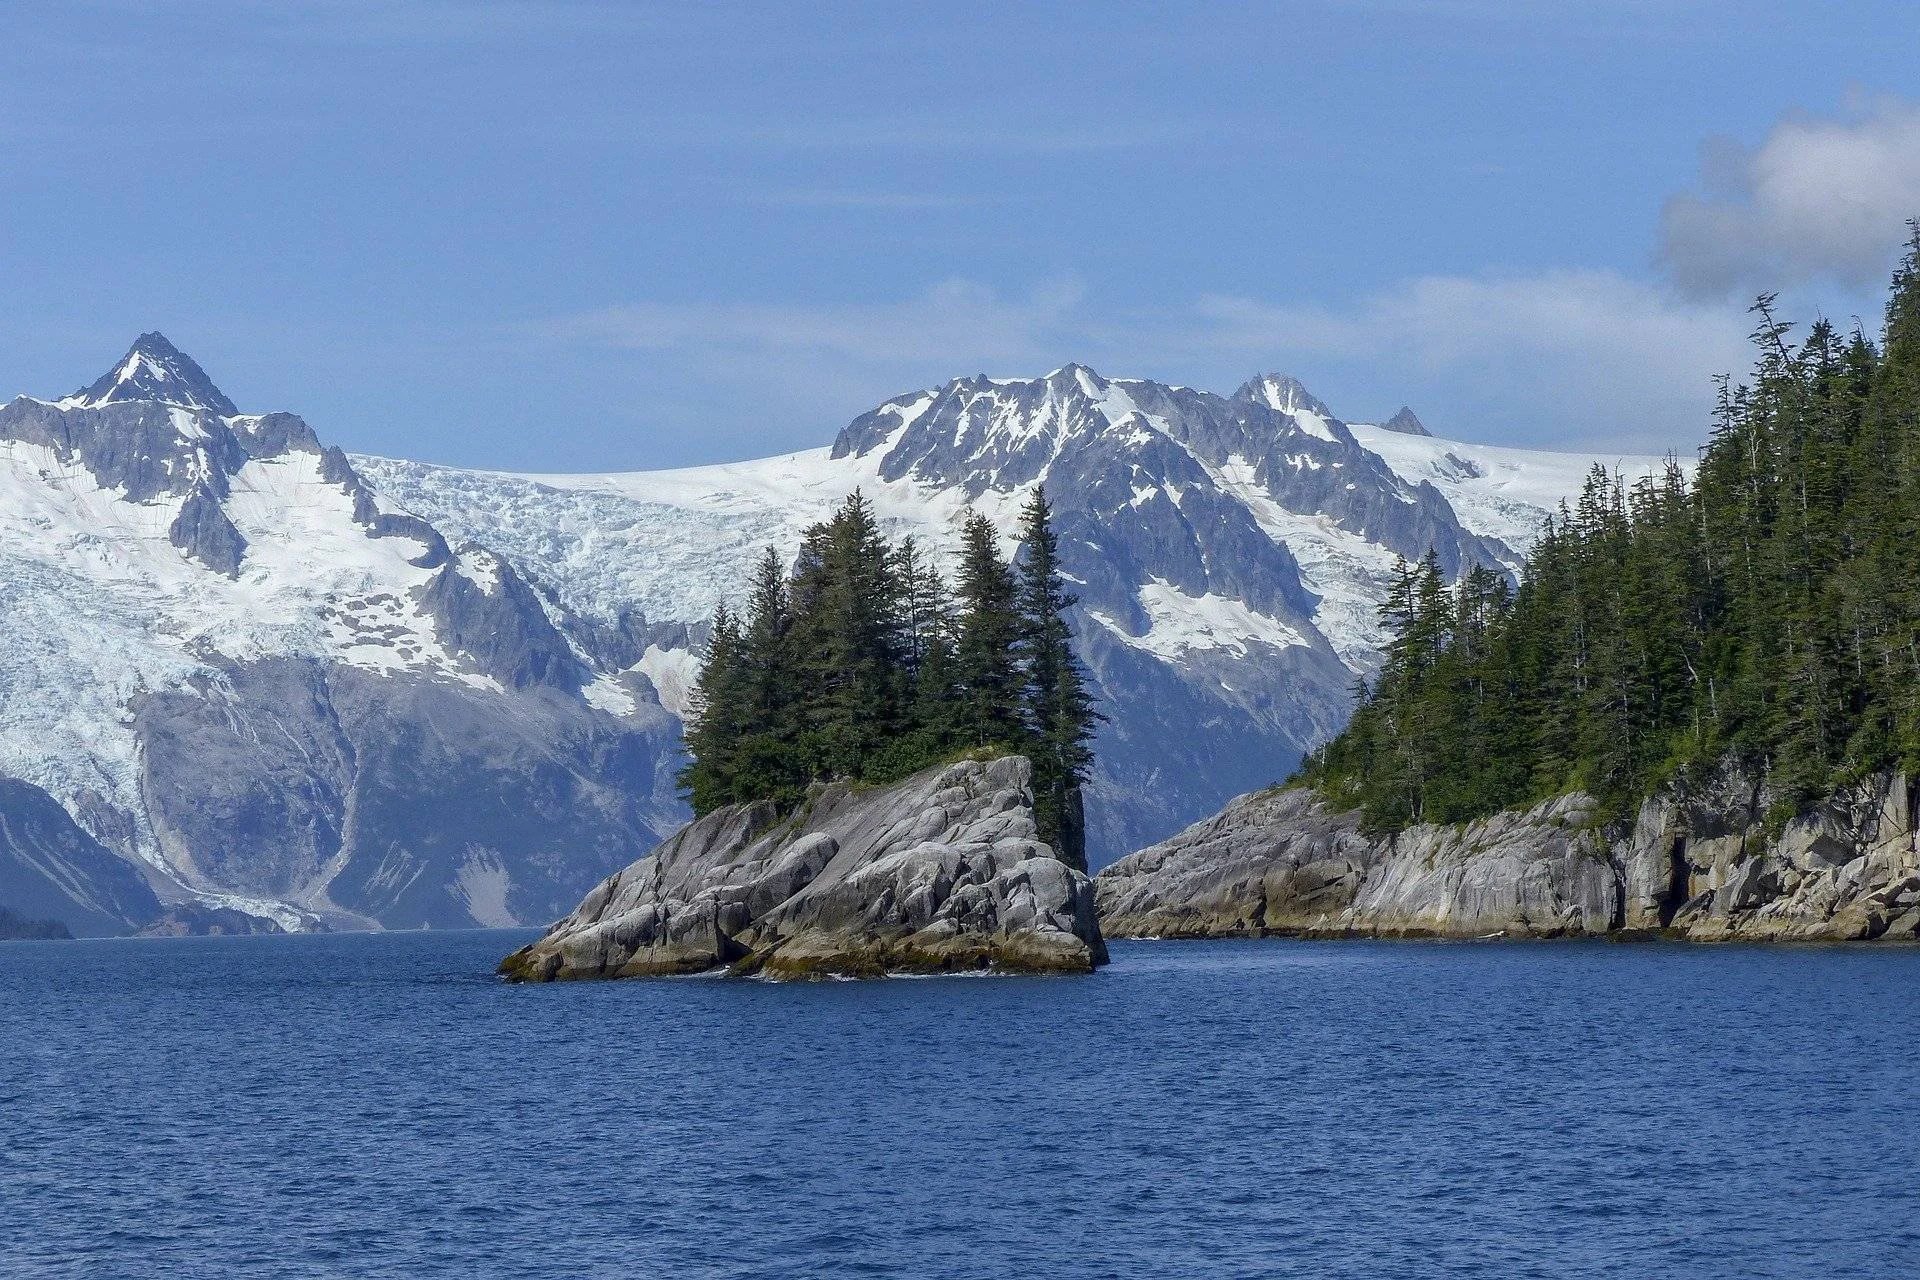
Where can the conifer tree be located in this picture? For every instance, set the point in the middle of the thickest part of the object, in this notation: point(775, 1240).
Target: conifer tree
point(986, 667)
point(1763, 615)
point(1057, 709)
point(716, 722)
point(857, 664)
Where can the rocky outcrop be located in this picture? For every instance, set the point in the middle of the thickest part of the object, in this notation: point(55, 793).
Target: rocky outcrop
point(50, 869)
point(1711, 867)
point(1271, 862)
point(198, 920)
point(1406, 423)
point(1702, 864)
point(940, 873)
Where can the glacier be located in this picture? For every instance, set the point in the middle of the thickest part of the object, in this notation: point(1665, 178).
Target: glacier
point(366, 692)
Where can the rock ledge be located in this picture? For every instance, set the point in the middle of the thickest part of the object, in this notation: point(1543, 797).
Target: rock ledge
point(1702, 865)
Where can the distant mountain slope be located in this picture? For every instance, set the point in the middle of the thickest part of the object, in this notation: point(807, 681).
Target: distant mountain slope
point(270, 689)
point(1229, 552)
point(260, 675)
point(1502, 492)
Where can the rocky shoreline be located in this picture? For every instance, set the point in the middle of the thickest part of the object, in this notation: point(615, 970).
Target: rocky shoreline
point(940, 873)
point(1701, 866)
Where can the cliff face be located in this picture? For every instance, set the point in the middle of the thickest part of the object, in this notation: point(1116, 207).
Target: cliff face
point(1700, 865)
point(941, 872)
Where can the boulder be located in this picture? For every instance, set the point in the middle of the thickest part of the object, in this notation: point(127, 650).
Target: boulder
point(942, 872)
point(1273, 862)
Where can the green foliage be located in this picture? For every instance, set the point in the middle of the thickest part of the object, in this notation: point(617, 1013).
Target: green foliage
point(860, 664)
point(1766, 613)
point(1056, 707)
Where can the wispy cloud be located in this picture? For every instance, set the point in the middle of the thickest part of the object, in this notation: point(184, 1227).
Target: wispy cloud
point(1582, 354)
point(905, 201)
point(426, 22)
point(959, 322)
point(986, 132)
point(1818, 199)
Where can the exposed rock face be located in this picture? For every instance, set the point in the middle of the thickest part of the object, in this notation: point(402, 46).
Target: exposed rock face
point(50, 869)
point(1406, 423)
point(395, 801)
point(233, 673)
point(196, 920)
point(1707, 865)
point(1701, 866)
point(942, 872)
point(1270, 862)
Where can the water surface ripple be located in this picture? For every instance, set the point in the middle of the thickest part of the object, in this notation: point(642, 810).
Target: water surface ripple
point(377, 1105)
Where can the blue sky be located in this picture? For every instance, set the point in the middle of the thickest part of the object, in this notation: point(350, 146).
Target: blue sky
point(546, 236)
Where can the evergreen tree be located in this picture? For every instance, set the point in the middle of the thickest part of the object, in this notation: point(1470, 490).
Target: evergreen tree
point(986, 664)
point(1057, 709)
point(716, 720)
point(1765, 614)
point(857, 664)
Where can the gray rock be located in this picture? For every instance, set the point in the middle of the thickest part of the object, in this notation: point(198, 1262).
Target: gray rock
point(1696, 863)
point(399, 801)
point(197, 920)
point(154, 370)
point(203, 531)
point(1273, 862)
point(942, 872)
point(51, 869)
point(1544, 872)
point(1406, 423)
point(1283, 862)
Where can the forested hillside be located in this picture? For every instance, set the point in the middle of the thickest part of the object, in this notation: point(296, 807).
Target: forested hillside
point(1768, 611)
point(861, 663)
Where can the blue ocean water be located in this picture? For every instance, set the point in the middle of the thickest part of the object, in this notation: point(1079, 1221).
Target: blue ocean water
point(377, 1105)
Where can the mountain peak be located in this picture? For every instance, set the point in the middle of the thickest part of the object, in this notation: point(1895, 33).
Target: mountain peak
point(154, 369)
point(1406, 423)
point(1282, 392)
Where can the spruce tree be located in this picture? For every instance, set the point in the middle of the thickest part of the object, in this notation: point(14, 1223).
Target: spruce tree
point(716, 720)
point(1763, 614)
point(1056, 707)
point(986, 667)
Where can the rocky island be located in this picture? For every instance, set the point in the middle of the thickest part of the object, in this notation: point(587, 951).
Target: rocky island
point(1701, 864)
point(943, 872)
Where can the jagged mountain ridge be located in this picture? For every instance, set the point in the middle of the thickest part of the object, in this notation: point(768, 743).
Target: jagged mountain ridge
point(1228, 552)
point(267, 676)
point(266, 688)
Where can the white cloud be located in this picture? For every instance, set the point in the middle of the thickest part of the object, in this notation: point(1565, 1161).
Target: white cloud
point(1587, 356)
point(1819, 199)
point(1559, 356)
point(1615, 328)
point(959, 323)
point(884, 201)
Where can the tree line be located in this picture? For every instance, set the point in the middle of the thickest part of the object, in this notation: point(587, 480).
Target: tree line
point(860, 662)
point(1765, 612)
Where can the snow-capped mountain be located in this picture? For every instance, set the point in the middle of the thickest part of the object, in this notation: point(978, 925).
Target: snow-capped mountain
point(268, 688)
point(1228, 552)
point(239, 669)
